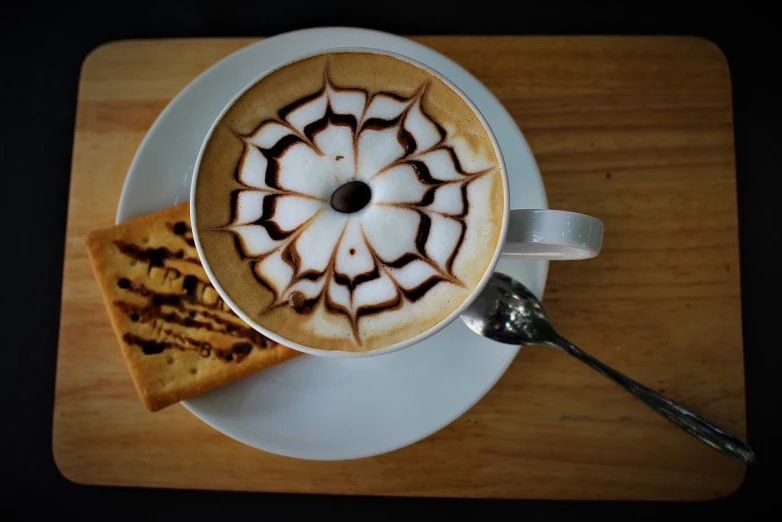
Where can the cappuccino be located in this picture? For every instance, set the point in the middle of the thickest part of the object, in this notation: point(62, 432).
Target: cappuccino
point(349, 200)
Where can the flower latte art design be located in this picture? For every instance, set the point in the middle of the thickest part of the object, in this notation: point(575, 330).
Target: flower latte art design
point(351, 201)
point(348, 201)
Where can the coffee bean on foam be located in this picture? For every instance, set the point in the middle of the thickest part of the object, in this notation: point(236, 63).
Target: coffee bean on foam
point(349, 200)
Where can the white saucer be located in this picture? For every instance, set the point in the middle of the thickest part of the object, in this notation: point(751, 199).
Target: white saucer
point(333, 409)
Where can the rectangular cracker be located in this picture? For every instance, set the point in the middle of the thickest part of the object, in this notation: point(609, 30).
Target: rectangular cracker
point(178, 337)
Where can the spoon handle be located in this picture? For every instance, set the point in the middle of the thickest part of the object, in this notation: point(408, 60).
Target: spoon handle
point(686, 419)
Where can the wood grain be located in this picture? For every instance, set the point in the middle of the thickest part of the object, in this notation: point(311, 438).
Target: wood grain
point(636, 131)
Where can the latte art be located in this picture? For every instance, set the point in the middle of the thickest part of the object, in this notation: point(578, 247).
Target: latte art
point(364, 260)
point(358, 212)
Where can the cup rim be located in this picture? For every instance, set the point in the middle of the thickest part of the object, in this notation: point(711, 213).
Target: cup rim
point(340, 354)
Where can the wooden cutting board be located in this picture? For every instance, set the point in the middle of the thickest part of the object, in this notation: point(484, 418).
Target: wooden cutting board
point(635, 131)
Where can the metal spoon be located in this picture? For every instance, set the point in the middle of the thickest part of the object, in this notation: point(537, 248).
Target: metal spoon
point(507, 312)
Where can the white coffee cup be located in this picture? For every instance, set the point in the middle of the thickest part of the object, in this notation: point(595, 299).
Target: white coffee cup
point(525, 233)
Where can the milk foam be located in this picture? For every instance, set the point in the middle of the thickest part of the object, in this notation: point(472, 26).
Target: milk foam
point(406, 255)
point(393, 251)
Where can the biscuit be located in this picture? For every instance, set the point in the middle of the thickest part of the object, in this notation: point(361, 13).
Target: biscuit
point(178, 337)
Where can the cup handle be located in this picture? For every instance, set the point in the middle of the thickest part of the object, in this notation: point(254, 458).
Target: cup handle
point(552, 234)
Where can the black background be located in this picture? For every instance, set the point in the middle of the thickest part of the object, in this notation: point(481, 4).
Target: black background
point(43, 46)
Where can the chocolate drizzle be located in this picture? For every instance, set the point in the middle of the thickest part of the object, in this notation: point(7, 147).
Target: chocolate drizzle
point(302, 101)
point(261, 281)
point(235, 353)
point(291, 256)
point(194, 289)
point(422, 171)
point(414, 294)
point(428, 198)
point(154, 257)
point(149, 346)
point(352, 284)
point(414, 151)
point(272, 228)
point(407, 140)
point(317, 126)
point(379, 124)
point(402, 261)
point(150, 313)
point(272, 156)
point(308, 305)
point(385, 306)
point(195, 307)
point(452, 257)
point(183, 231)
point(422, 235)
point(338, 309)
